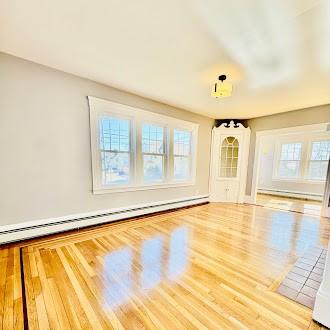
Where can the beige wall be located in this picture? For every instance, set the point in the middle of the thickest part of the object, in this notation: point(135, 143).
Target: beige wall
point(315, 115)
point(45, 144)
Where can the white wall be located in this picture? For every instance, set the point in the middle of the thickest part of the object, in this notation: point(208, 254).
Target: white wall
point(267, 177)
point(45, 144)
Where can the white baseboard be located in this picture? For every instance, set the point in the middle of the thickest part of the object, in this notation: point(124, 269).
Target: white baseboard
point(322, 308)
point(25, 230)
point(290, 194)
point(248, 199)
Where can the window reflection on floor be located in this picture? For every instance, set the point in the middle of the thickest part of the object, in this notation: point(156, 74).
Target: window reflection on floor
point(159, 258)
point(282, 228)
point(178, 253)
point(118, 277)
point(308, 234)
point(312, 207)
point(151, 259)
point(279, 204)
point(290, 234)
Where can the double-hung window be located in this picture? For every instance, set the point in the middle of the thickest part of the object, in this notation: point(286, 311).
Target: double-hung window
point(318, 161)
point(114, 137)
point(182, 154)
point(289, 160)
point(153, 153)
point(133, 149)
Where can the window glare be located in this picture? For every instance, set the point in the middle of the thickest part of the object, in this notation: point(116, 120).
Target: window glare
point(114, 134)
point(289, 164)
point(181, 142)
point(115, 168)
point(152, 139)
point(115, 148)
point(153, 170)
point(181, 168)
point(289, 169)
point(318, 164)
point(182, 151)
point(133, 149)
point(291, 151)
point(321, 150)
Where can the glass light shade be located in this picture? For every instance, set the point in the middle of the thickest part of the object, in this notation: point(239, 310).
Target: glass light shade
point(222, 89)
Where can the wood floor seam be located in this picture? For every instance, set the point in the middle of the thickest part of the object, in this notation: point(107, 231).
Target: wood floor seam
point(24, 308)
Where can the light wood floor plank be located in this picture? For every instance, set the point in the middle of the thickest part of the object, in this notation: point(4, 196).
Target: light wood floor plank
point(214, 266)
point(11, 302)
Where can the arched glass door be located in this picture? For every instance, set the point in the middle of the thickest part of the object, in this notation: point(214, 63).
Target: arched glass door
point(229, 157)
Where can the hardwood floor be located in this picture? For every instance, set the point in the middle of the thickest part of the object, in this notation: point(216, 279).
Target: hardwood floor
point(290, 204)
point(11, 304)
point(214, 266)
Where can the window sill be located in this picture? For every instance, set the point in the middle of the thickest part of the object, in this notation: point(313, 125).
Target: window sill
point(113, 190)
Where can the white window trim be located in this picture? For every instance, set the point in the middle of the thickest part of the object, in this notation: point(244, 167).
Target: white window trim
point(305, 157)
point(190, 156)
point(277, 159)
point(100, 107)
point(309, 156)
point(165, 153)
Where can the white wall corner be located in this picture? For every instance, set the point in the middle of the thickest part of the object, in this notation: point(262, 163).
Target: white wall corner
point(321, 308)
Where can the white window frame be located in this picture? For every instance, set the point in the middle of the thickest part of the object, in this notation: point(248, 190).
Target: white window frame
point(189, 156)
point(309, 160)
point(164, 154)
point(131, 141)
point(102, 108)
point(305, 156)
point(279, 145)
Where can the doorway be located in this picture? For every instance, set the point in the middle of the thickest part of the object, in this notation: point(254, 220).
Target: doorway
point(290, 169)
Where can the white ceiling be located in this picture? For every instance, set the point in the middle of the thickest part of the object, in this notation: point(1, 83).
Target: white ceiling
point(276, 53)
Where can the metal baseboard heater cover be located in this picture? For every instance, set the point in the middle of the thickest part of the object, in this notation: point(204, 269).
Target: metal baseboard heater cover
point(43, 227)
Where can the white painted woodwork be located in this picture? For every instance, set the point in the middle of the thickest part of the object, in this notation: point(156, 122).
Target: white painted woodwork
point(224, 187)
point(326, 198)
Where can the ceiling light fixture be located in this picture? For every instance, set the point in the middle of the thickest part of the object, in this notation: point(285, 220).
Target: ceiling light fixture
point(222, 88)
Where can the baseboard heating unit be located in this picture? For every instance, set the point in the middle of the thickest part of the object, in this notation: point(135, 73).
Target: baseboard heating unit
point(30, 229)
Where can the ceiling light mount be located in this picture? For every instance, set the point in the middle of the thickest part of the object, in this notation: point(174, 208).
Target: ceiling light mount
point(221, 88)
point(222, 77)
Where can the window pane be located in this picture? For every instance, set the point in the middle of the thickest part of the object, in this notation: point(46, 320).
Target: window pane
point(318, 164)
point(288, 169)
point(318, 170)
point(229, 157)
point(320, 150)
point(290, 160)
point(115, 168)
point(182, 142)
point(152, 139)
point(181, 168)
point(114, 134)
point(153, 168)
point(291, 151)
